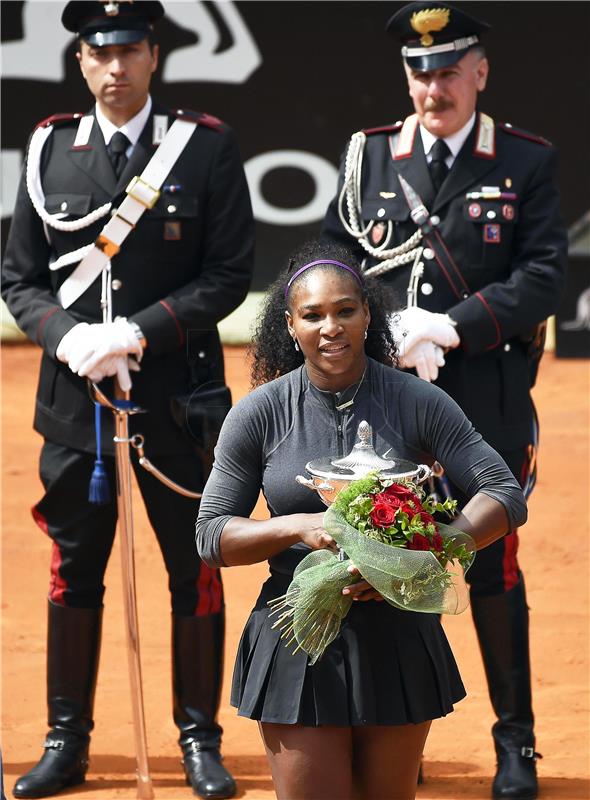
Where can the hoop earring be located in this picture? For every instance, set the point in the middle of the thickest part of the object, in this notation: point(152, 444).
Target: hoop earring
point(366, 334)
point(295, 344)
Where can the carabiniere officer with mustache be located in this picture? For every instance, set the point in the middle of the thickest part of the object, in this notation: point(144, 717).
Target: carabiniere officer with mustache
point(460, 213)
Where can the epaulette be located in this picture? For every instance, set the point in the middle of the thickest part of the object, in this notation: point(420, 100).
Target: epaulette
point(531, 137)
point(201, 117)
point(58, 119)
point(384, 128)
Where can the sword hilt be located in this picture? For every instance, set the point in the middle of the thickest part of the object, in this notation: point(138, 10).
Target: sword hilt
point(121, 404)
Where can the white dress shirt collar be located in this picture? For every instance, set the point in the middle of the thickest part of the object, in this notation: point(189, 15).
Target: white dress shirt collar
point(132, 128)
point(455, 142)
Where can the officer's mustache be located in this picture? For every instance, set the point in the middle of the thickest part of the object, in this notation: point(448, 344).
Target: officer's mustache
point(442, 104)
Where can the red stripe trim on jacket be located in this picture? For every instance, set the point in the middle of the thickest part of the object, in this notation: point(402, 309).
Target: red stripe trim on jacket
point(443, 270)
point(176, 322)
point(383, 129)
point(530, 137)
point(494, 320)
point(44, 319)
point(451, 260)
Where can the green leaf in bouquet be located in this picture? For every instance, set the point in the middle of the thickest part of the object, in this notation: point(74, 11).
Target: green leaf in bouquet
point(416, 525)
point(349, 493)
point(402, 520)
point(449, 507)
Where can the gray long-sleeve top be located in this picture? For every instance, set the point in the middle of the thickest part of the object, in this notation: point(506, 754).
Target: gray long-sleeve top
point(271, 434)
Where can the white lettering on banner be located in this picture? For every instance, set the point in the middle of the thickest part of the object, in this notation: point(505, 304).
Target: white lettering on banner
point(324, 174)
point(199, 61)
point(40, 54)
point(582, 320)
point(10, 166)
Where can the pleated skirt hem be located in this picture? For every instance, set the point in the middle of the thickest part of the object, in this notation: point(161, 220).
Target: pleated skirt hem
point(385, 667)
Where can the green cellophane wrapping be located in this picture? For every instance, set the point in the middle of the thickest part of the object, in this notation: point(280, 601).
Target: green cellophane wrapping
point(311, 611)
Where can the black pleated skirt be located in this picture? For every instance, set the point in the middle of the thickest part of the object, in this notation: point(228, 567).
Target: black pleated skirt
point(385, 667)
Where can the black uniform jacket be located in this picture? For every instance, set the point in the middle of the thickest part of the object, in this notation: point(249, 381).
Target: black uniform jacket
point(510, 258)
point(185, 267)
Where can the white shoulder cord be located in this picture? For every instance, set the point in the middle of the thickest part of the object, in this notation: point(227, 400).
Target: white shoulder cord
point(351, 190)
point(351, 187)
point(37, 196)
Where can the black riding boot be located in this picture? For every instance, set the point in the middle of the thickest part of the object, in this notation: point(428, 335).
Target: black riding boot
point(73, 644)
point(502, 624)
point(197, 659)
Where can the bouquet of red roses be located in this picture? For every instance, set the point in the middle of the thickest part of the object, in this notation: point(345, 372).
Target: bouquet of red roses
point(389, 532)
point(401, 515)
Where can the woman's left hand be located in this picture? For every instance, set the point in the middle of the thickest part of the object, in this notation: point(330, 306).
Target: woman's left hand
point(360, 590)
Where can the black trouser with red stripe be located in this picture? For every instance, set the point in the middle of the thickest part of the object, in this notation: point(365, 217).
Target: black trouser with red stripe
point(495, 569)
point(501, 617)
point(83, 535)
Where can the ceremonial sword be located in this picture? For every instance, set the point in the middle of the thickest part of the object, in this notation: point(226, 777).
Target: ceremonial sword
point(428, 225)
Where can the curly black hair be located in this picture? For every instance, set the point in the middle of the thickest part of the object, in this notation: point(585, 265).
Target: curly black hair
point(272, 350)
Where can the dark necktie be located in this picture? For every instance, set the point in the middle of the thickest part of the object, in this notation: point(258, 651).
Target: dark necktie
point(116, 150)
point(438, 168)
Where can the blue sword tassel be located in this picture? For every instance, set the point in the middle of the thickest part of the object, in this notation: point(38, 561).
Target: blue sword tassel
point(98, 491)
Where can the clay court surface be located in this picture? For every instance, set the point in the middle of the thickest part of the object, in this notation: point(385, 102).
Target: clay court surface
point(459, 759)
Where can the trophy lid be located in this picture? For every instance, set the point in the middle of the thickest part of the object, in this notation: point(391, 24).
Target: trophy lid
point(361, 460)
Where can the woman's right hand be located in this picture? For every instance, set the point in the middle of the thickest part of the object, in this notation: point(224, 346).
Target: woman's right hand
point(310, 528)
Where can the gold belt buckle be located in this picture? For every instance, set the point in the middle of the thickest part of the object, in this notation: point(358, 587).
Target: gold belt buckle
point(141, 191)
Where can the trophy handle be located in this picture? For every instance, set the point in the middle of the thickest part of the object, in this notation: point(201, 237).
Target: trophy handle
point(315, 487)
point(422, 473)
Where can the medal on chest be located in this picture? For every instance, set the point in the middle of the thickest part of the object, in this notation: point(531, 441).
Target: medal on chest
point(492, 233)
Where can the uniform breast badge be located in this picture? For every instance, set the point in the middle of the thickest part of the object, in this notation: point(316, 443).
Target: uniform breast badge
point(378, 233)
point(172, 230)
point(492, 233)
point(508, 212)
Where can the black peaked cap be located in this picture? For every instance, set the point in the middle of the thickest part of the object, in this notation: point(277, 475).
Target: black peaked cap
point(434, 35)
point(111, 23)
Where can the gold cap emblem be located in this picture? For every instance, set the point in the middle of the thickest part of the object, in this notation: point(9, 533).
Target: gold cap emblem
point(429, 19)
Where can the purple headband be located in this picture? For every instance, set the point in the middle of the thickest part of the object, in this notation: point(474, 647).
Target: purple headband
point(321, 261)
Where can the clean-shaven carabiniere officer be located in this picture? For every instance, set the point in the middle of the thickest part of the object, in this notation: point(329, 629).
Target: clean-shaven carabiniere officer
point(179, 263)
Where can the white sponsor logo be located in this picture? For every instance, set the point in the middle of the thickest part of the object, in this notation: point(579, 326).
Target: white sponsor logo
point(39, 55)
point(10, 165)
point(582, 320)
point(32, 59)
point(324, 176)
point(200, 61)
point(322, 172)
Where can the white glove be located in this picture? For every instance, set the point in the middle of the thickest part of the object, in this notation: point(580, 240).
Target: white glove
point(85, 346)
point(120, 366)
point(67, 342)
point(425, 357)
point(414, 324)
